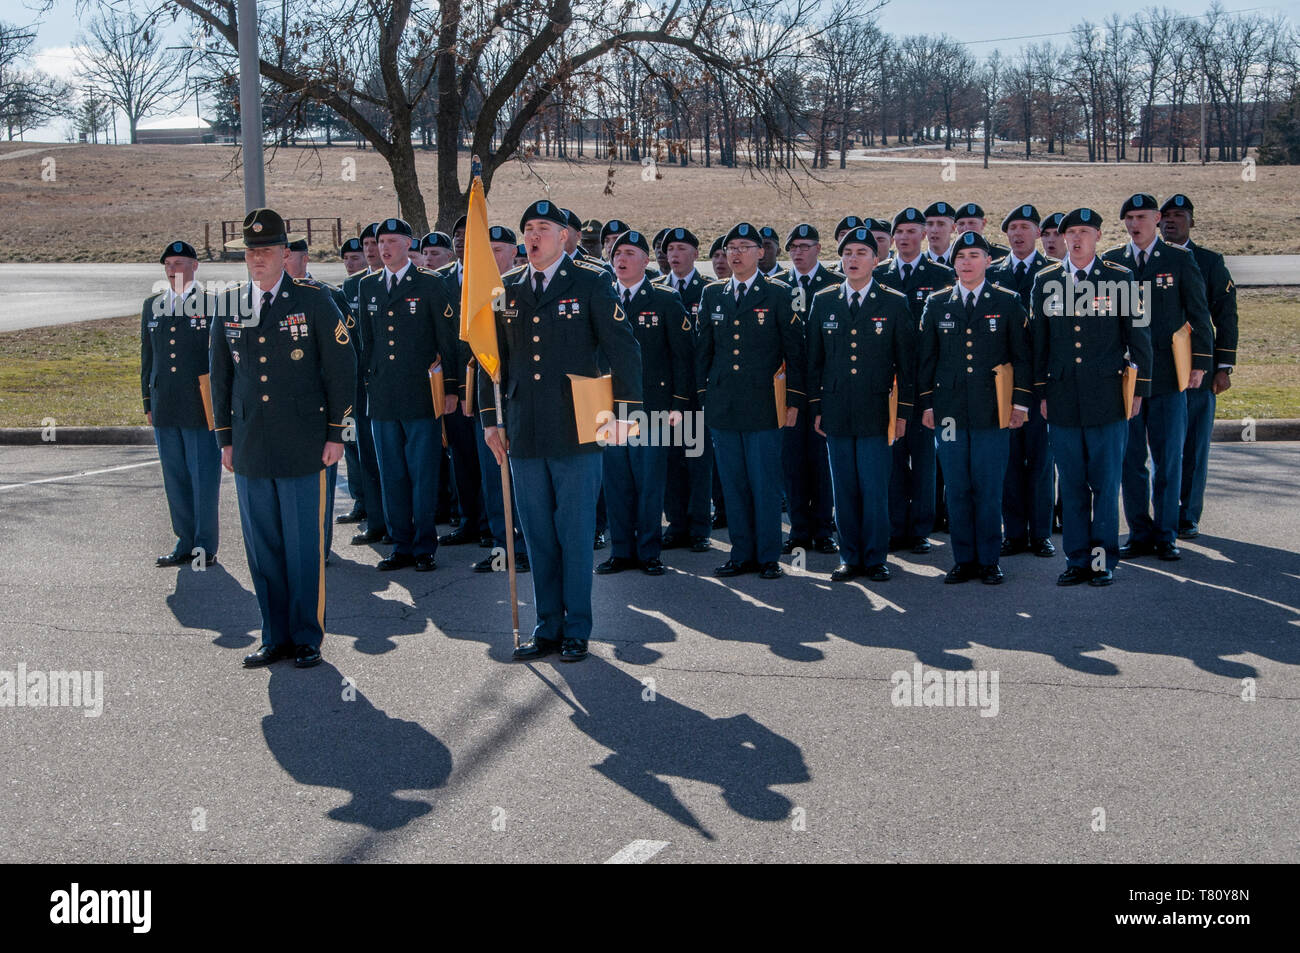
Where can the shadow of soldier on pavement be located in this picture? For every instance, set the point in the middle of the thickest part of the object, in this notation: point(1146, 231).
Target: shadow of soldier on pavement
point(326, 733)
point(214, 600)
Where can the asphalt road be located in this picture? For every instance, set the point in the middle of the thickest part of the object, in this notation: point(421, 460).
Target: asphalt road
point(767, 733)
point(45, 294)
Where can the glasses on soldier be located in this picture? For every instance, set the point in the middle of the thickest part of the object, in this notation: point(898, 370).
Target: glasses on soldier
point(802, 246)
point(739, 247)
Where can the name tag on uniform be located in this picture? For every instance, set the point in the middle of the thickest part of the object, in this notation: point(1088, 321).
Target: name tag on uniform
point(510, 313)
point(232, 329)
point(830, 325)
point(153, 324)
point(717, 316)
point(946, 323)
point(372, 306)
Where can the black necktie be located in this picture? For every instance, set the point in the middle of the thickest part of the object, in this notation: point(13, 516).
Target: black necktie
point(1020, 271)
point(538, 278)
point(1142, 260)
point(970, 305)
point(1080, 276)
point(907, 273)
point(266, 304)
point(391, 279)
point(627, 300)
point(805, 281)
point(854, 303)
point(740, 291)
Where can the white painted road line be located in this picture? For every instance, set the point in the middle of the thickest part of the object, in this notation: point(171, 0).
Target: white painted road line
point(638, 852)
point(73, 476)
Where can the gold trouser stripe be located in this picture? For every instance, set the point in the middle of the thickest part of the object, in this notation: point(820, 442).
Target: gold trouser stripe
point(320, 528)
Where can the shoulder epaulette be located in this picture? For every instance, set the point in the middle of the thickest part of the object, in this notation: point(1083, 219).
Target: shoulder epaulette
point(427, 271)
point(514, 271)
point(1113, 264)
point(445, 269)
point(893, 291)
point(778, 282)
point(941, 291)
point(717, 282)
point(1051, 263)
point(587, 265)
point(829, 289)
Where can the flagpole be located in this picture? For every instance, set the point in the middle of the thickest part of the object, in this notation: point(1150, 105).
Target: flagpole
point(510, 515)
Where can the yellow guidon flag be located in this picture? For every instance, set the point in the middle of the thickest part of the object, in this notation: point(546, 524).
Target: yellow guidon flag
point(480, 286)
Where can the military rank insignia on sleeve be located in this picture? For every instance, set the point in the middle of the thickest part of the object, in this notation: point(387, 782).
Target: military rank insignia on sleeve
point(341, 333)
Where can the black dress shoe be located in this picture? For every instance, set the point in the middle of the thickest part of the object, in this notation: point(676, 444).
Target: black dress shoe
point(921, 546)
point(992, 575)
point(368, 538)
point(601, 540)
point(573, 650)
point(701, 544)
point(1103, 578)
point(265, 655)
point(175, 558)
point(844, 572)
point(461, 537)
point(1014, 547)
point(733, 568)
point(386, 539)
point(788, 547)
point(1188, 531)
point(1168, 552)
point(878, 573)
point(960, 573)
point(826, 545)
point(425, 563)
point(534, 649)
point(653, 567)
point(1132, 550)
point(485, 541)
point(210, 559)
point(396, 561)
point(1042, 547)
point(521, 562)
point(354, 515)
point(615, 564)
point(673, 540)
point(771, 571)
point(305, 656)
point(1073, 576)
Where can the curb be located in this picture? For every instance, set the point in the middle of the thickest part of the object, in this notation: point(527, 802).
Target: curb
point(1225, 431)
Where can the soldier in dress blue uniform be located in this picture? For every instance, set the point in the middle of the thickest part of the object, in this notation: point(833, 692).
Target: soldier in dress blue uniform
point(847, 224)
point(690, 475)
point(608, 232)
point(407, 310)
point(971, 218)
point(1176, 296)
point(1030, 485)
point(438, 250)
point(1083, 339)
point(370, 247)
point(283, 381)
point(635, 473)
point(884, 232)
point(174, 335)
point(1051, 237)
point(767, 266)
point(966, 332)
point(912, 476)
point(940, 223)
point(1176, 224)
point(362, 461)
point(804, 462)
point(557, 314)
point(859, 341)
point(660, 252)
point(718, 259)
point(748, 330)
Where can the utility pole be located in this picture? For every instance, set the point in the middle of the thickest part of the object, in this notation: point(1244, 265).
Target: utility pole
point(250, 108)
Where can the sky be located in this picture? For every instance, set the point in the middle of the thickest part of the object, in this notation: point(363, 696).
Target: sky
point(1006, 25)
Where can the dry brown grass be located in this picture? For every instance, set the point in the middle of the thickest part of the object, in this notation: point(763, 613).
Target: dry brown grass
point(122, 203)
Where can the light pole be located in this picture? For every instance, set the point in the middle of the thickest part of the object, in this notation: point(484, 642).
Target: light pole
point(250, 108)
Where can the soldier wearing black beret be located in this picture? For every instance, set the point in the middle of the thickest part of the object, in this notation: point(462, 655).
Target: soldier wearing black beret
point(438, 250)
point(1173, 295)
point(1176, 223)
point(370, 246)
point(971, 218)
point(718, 258)
point(408, 314)
point(362, 461)
point(859, 342)
point(174, 335)
point(559, 317)
point(847, 224)
point(767, 265)
point(283, 382)
point(940, 223)
point(748, 331)
point(884, 232)
point(912, 475)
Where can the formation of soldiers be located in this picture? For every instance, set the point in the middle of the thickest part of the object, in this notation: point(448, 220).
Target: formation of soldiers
point(868, 400)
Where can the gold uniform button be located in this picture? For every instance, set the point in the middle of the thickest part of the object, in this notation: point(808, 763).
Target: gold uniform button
point(854, 344)
point(390, 314)
point(736, 352)
point(391, 343)
point(536, 339)
point(970, 370)
point(262, 358)
point(736, 337)
point(735, 367)
point(970, 343)
point(392, 357)
point(537, 377)
point(263, 378)
point(261, 340)
point(265, 398)
point(537, 357)
point(970, 357)
point(172, 341)
point(1078, 344)
point(853, 357)
point(173, 355)
point(390, 327)
point(536, 319)
point(736, 323)
point(1077, 328)
point(853, 370)
point(968, 330)
point(172, 328)
point(1078, 360)
point(854, 331)
point(173, 370)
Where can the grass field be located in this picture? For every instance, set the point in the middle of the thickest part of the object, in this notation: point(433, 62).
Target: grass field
point(89, 374)
point(123, 203)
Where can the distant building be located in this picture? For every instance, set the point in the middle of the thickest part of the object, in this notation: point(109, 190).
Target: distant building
point(175, 131)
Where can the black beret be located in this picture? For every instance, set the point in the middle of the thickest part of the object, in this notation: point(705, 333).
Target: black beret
point(370, 231)
point(1177, 200)
point(630, 237)
point(521, 251)
point(183, 249)
point(351, 245)
point(804, 231)
point(971, 210)
point(459, 224)
point(437, 240)
point(878, 225)
point(859, 236)
point(1139, 202)
point(394, 226)
point(717, 245)
point(659, 238)
point(571, 219)
point(499, 233)
point(847, 222)
point(1053, 221)
point(909, 215)
point(591, 226)
point(613, 227)
point(415, 243)
point(744, 231)
point(941, 210)
point(1021, 213)
point(545, 210)
point(683, 235)
point(298, 244)
point(768, 234)
point(970, 240)
point(1080, 216)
